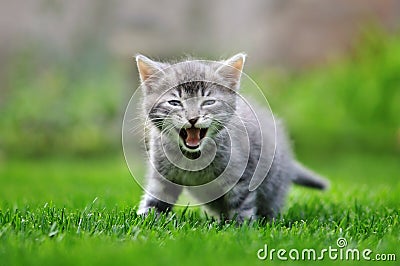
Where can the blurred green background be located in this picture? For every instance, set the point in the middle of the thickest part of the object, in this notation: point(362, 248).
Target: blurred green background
point(331, 71)
point(67, 70)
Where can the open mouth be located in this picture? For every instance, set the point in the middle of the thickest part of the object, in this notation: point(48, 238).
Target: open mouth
point(192, 136)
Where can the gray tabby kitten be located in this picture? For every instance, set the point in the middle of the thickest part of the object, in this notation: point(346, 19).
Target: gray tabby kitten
point(193, 109)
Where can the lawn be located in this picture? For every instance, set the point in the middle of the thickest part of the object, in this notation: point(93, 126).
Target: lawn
point(81, 211)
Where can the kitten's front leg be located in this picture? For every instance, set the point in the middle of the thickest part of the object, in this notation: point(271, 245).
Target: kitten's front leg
point(242, 209)
point(158, 188)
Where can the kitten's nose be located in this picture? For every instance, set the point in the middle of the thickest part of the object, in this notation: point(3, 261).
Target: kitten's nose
point(193, 120)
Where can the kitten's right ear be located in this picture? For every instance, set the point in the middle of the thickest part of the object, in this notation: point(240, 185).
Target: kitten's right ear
point(147, 67)
point(231, 69)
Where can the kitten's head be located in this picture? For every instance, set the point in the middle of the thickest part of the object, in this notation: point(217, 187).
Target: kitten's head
point(191, 100)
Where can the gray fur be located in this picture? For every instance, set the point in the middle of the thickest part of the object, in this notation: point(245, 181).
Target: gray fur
point(221, 85)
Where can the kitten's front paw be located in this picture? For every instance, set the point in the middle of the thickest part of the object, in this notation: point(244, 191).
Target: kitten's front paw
point(148, 210)
point(144, 211)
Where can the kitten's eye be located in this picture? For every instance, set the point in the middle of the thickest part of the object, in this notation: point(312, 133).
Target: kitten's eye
point(175, 103)
point(208, 102)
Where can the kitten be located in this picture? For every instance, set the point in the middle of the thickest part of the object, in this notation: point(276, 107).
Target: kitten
point(204, 137)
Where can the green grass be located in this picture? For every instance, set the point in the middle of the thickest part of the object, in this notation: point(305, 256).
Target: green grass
point(81, 211)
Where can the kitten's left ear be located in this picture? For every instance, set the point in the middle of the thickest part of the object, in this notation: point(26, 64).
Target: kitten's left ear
point(231, 70)
point(147, 67)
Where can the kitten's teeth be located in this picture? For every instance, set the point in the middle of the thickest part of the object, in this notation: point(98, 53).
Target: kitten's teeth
point(193, 137)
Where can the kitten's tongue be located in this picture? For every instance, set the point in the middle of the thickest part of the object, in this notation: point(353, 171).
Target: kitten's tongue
point(193, 137)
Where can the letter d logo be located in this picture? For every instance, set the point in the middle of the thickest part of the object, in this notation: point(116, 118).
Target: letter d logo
point(260, 252)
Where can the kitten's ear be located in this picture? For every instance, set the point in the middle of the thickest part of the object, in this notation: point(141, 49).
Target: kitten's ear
point(147, 67)
point(231, 70)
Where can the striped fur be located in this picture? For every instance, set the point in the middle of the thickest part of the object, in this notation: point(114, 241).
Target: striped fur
point(195, 82)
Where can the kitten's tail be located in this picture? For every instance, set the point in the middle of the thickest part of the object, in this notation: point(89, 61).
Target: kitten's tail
point(308, 178)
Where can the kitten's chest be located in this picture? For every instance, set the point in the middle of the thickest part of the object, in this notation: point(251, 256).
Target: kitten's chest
point(194, 178)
